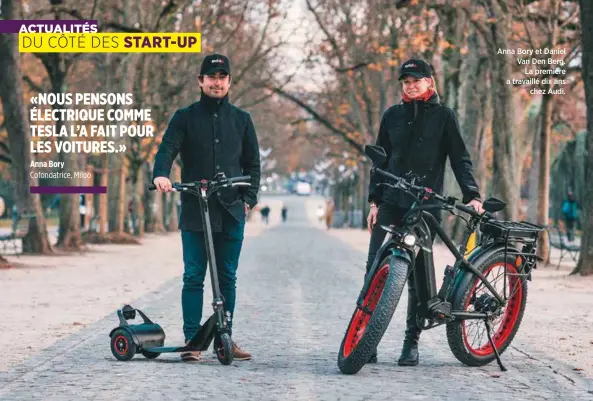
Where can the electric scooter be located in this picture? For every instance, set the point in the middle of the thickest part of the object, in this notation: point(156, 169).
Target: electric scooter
point(148, 338)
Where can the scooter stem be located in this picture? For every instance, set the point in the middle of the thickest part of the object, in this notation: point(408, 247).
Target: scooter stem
point(217, 302)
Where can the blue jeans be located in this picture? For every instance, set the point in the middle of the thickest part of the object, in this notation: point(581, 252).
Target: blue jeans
point(227, 248)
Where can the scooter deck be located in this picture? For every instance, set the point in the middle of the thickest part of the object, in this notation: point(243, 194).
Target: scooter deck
point(200, 342)
point(162, 350)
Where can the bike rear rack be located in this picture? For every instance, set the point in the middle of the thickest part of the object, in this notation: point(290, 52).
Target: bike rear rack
point(516, 235)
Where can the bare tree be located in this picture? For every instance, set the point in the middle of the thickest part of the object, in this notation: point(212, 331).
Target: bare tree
point(493, 20)
point(17, 126)
point(585, 264)
point(547, 26)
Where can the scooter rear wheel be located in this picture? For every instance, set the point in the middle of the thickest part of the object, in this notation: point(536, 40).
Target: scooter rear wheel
point(122, 345)
point(224, 352)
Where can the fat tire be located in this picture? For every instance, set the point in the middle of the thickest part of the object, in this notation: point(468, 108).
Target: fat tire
point(380, 319)
point(455, 336)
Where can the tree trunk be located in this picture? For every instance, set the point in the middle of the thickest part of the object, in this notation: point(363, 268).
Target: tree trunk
point(17, 125)
point(103, 199)
point(543, 190)
point(363, 185)
point(118, 163)
point(172, 221)
point(69, 235)
point(148, 200)
point(116, 193)
point(472, 95)
point(505, 159)
point(159, 211)
point(585, 264)
point(534, 172)
point(137, 205)
point(173, 216)
point(90, 210)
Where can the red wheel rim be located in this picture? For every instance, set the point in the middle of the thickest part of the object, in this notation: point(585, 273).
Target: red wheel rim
point(360, 320)
point(121, 344)
point(502, 326)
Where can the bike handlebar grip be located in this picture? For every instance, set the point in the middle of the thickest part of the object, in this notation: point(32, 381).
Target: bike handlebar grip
point(242, 178)
point(152, 187)
point(388, 175)
point(467, 209)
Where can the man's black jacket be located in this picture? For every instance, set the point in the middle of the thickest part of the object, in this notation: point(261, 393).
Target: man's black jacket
point(212, 136)
point(418, 136)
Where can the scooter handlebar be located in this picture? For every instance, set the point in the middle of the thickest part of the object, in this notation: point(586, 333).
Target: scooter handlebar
point(243, 179)
point(233, 181)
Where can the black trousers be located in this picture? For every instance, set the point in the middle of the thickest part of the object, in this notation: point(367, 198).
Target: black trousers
point(393, 215)
point(570, 229)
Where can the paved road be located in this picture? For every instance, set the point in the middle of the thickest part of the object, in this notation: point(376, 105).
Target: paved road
point(296, 289)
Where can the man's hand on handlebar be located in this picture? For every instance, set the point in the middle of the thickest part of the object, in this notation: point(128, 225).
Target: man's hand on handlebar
point(477, 205)
point(163, 184)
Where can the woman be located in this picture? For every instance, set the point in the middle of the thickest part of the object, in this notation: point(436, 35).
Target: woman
point(418, 135)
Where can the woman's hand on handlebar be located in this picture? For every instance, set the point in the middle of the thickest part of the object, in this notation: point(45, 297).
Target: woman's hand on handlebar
point(477, 205)
point(163, 184)
point(372, 217)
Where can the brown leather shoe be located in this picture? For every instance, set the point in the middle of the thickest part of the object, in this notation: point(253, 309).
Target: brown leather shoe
point(239, 354)
point(191, 356)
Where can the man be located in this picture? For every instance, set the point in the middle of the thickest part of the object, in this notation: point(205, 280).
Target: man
point(212, 136)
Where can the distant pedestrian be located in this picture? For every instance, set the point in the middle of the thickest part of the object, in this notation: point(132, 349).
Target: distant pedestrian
point(329, 213)
point(265, 214)
point(570, 210)
point(82, 209)
point(284, 213)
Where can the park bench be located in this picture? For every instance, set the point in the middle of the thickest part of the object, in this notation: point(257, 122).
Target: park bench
point(566, 248)
point(19, 227)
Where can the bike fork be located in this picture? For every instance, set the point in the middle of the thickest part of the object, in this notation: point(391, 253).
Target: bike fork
point(488, 328)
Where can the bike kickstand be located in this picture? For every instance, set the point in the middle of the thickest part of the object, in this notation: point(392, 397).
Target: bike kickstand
point(488, 328)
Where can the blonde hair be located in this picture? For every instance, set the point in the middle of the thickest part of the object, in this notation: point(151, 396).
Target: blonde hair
point(433, 85)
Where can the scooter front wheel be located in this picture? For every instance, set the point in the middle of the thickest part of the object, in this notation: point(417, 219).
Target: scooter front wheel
point(224, 352)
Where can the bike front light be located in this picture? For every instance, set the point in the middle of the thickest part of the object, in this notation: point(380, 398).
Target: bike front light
point(410, 239)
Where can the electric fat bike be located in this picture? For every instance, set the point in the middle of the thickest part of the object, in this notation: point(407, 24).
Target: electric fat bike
point(482, 298)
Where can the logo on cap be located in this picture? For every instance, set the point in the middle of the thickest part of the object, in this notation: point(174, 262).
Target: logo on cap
point(218, 60)
point(411, 65)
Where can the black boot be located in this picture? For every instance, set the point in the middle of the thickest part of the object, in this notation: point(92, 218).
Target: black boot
point(409, 355)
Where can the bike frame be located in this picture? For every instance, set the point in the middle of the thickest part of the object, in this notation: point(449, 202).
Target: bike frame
point(436, 304)
point(425, 281)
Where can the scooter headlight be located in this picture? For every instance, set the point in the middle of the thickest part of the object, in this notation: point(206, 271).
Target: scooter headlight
point(410, 239)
